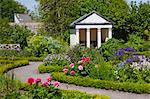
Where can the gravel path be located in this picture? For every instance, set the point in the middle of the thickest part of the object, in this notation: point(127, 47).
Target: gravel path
point(31, 70)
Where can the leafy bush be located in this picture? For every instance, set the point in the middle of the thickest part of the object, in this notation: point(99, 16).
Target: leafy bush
point(76, 53)
point(108, 48)
point(40, 45)
point(89, 82)
point(136, 42)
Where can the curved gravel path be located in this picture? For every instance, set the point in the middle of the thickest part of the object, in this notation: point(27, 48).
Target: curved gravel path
point(31, 70)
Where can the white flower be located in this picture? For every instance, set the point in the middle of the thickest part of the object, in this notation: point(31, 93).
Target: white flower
point(80, 67)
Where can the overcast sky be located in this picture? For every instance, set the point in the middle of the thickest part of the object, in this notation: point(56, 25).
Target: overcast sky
point(32, 4)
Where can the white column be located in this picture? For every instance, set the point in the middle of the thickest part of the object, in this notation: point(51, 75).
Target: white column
point(88, 37)
point(110, 33)
point(99, 37)
point(77, 36)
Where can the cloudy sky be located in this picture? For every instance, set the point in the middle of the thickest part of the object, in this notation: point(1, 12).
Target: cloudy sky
point(32, 4)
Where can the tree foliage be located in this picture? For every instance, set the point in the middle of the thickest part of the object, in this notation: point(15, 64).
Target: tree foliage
point(126, 19)
point(58, 14)
point(9, 7)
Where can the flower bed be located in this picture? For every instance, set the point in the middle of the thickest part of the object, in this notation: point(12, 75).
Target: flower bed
point(89, 82)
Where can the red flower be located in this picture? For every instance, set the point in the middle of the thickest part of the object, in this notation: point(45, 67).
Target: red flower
point(38, 80)
point(72, 72)
point(65, 71)
point(30, 80)
point(56, 83)
point(87, 59)
point(83, 59)
point(49, 79)
point(66, 67)
point(45, 83)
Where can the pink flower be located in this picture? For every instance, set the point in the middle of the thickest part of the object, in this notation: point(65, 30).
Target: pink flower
point(83, 59)
point(56, 83)
point(72, 65)
point(30, 80)
point(45, 83)
point(72, 72)
point(80, 67)
point(65, 71)
point(87, 59)
point(38, 80)
point(49, 79)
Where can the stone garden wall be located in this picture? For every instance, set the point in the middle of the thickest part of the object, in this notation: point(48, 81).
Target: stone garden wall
point(9, 46)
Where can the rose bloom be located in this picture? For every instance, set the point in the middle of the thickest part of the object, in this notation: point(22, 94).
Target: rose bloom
point(83, 59)
point(80, 67)
point(49, 78)
point(30, 80)
point(66, 67)
point(87, 59)
point(65, 71)
point(45, 83)
point(38, 80)
point(72, 72)
point(56, 83)
point(72, 65)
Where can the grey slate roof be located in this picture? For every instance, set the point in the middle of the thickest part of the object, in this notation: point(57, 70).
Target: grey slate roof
point(87, 15)
point(24, 17)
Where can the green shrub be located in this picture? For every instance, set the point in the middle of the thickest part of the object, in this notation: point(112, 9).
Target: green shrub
point(109, 47)
point(40, 45)
point(104, 84)
point(17, 63)
point(32, 58)
point(48, 69)
point(70, 94)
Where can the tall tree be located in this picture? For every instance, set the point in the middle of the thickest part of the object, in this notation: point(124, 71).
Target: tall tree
point(9, 7)
point(58, 14)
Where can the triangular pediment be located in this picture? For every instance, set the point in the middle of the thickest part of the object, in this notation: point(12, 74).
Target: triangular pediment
point(91, 18)
point(94, 18)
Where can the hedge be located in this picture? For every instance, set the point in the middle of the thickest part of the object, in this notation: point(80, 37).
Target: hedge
point(103, 84)
point(23, 58)
point(71, 94)
point(48, 69)
point(5, 67)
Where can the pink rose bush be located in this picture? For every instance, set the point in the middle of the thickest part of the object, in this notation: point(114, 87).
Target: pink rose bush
point(77, 68)
point(38, 81)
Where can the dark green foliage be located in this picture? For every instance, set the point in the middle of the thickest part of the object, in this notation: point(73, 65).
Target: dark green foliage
point(13, 34)
point(11, 53)
point(58, 14)
point(89, 82)
point(9, 7)
point(108, 48)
